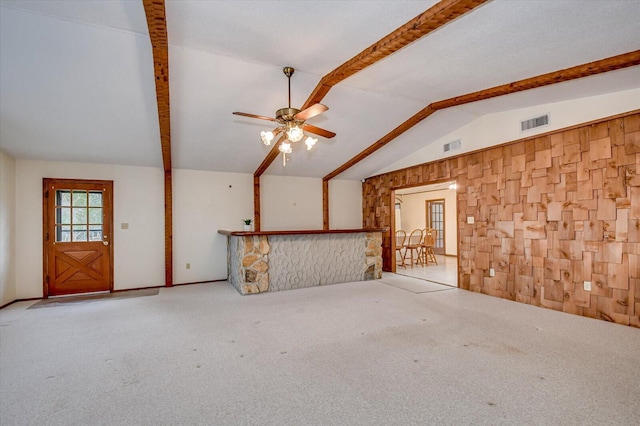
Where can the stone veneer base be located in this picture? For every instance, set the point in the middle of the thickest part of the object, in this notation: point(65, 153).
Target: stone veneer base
point(274, 262)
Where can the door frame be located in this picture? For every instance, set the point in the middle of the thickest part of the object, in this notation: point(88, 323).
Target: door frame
point(46, 182)
point(390, 200)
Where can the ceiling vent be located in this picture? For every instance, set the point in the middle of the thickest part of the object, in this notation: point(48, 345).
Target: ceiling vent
point(452, 146)
point(532, 123)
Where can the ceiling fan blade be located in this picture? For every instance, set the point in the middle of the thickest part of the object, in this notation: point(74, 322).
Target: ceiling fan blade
point(312, 111)
point(261, 117)
point(281, 138)
point(318, 131)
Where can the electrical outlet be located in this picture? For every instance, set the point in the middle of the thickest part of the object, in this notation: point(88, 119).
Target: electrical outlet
point(587, 285)
point(471, 220)
point(492, 272)
point(188, 266)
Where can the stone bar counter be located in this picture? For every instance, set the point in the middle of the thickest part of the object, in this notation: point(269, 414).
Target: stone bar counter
point(259, 262)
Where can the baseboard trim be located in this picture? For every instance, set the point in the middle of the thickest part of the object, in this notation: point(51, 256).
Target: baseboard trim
point(202, 282)
point(20, 300)
point(136, 288)
point(118, 291)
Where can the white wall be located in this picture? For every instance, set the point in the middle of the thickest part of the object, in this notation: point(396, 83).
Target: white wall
point(138, 201)
point(345, 204)
point(203, 203)
point(7, 226)
point(413, 215)
point(290, 203)
point(504, 126)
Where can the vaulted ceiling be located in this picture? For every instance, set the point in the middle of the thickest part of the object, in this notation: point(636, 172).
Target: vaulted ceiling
point(77, 77)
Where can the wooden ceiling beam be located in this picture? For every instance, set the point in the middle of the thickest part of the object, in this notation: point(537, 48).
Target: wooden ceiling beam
point(430, 20)
point(157, 23)
point(592, 68)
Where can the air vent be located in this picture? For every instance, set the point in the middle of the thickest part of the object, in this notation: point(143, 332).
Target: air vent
point(452, 146)
point(532, 123)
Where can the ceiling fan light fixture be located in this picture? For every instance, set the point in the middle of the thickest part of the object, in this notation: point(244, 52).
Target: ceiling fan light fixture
point(285, 148)
point(294, 133)
point(310, 142)
point(266, 137)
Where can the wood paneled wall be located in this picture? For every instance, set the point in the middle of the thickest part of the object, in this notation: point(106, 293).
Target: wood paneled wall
point(550, 212)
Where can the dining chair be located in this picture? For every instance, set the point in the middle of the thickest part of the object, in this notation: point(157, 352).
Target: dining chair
point(428, 245)
point(414, 245)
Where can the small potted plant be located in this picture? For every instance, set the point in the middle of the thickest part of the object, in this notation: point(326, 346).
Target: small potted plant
point(247, 224)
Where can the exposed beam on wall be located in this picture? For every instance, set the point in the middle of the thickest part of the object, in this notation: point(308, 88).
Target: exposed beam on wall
point(168, 228)
point(156, 21)
point(592, 68)
point(430, 20)
point(325, 204)
point(256, 203)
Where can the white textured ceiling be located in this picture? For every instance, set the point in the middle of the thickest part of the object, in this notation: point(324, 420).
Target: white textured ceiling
point(76, 77)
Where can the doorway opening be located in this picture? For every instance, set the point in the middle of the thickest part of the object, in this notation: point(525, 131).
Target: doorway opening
point(430, 209)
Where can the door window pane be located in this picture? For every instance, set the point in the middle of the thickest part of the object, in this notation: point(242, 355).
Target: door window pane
point(95, 199)
point(79, 216)
point(95, 233)
point(95, 215)
point(63, 198)
point(63, 233)
point(63, 215)
point(79, 199)
point(79, 233)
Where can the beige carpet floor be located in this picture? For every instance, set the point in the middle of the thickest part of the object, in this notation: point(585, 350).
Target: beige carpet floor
point(367, 353)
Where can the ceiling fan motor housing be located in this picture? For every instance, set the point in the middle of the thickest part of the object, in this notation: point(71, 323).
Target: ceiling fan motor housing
point(284, 115)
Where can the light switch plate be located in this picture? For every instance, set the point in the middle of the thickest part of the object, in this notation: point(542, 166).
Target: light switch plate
point(470, 220)
point(587, 285)
point(492, 272)
point(124, 225)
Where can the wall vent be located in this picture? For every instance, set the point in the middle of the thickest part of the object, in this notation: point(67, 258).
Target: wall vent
point(452, 146)
point(532, 123)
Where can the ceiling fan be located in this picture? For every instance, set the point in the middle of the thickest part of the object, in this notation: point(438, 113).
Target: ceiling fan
point(292, 124)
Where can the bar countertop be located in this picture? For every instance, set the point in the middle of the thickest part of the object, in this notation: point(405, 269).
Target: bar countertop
point(301, 232)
